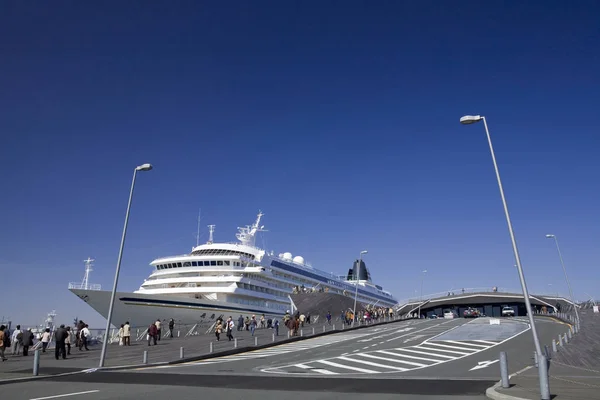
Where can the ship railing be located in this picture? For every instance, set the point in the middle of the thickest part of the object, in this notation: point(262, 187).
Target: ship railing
point(78, 285)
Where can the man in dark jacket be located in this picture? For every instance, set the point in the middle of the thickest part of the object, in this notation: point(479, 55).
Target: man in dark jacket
point(60, 336)
point(27, 341)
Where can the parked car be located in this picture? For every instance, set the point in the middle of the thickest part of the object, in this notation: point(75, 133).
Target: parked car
point(449, 314)
point(508, 311)
point(471, 313)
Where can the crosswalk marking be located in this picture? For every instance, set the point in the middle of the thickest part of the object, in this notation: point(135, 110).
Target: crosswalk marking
point(450, 347)
point(407, 356)
point(446, 351)
point(428, 354)
point(465, 343)
point(366, 371)
point(392, 360)
point(325, 371)
point(485, 341)
point(371, 363)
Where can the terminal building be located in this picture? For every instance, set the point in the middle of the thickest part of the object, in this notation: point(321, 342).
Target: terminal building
point(487, 302)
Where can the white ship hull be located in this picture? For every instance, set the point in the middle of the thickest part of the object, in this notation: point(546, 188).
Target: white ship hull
point(142, 309)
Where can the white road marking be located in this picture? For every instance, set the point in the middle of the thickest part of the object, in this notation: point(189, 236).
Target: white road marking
point(371, 363)
point(366, 371)
point(325, 371)
point(428, 354)
point(485, 341)
point(464, 343)
point(65, 395)
point(393, 360)
point(445, 351)
point(450, 347)
point(407, 356)
point(303, 366)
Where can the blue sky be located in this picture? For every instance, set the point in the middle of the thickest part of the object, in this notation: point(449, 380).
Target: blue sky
point(338, 119)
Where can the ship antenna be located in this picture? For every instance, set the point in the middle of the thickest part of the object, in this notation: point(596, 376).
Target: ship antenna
point(89, 263)
point(198, 233)
point(211, 230)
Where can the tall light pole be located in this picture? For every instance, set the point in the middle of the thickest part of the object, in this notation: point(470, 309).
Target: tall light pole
point(421, 295)
point(357, 280)
point(566, 276)
point(143, 167)
point(470, 119)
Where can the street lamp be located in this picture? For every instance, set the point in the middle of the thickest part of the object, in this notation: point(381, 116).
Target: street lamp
point(357, 280)
point(143, 167)
point(566, 276)
point(421, 296)
point(470, 119)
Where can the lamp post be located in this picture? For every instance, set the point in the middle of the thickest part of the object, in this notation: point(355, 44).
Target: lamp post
point(143, 167)
point(421, 295)
point(357, 280)
point(470, 119)
point(566, 276)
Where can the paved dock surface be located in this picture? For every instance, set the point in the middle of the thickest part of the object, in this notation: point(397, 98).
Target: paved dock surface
point(414, 359)
point(574, 371)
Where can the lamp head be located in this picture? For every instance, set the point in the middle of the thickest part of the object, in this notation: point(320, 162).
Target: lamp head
point(550, 236)
point(364, 252)
point(144, 167)
point(470, 119)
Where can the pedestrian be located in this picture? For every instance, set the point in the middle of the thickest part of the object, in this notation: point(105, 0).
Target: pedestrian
point(158, 329)
point(152, 332)
point(4, 341)
point(121, 334)
point(218, 330)
point(253, 324)
point(68, 341)
point(45, 339)
point(27, 341)
point(16, 339)
point(59, 343)
point(171, 326)
point(126, 334)
point(230, 326)
point(84, 336)
point(240, 323)
point(276, 326)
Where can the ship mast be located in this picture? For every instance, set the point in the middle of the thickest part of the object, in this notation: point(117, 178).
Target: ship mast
point(88, 268)
point(211, 230)
point(198, 233)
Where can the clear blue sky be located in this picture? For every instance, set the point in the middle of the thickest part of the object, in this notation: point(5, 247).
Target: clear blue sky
point(338, 119)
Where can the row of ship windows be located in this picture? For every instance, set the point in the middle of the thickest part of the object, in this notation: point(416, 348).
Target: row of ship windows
point(274, 306)
point(199, 264)
point(222, 252)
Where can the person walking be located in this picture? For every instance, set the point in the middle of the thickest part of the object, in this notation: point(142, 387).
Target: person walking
point(59, 343)
point(152, 332)
point(83, 337)
point(68, 341)
point(16, 343)
point(253, 324)
point(121, 335)
point(45, 339)
point(158, 330)
point(171, 326)
point(218, 330)
point(230, 326)
point(4, 340)
point(27, 341)
point(126, 334)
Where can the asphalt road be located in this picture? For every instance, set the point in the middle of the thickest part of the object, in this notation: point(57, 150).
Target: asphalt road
point(426, 359)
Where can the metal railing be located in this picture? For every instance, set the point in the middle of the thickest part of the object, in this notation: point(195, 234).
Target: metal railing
point(90, 286)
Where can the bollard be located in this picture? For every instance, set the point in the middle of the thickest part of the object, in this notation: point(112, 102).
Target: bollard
point(178, 333)
point(36, 363)
point(566, 339)
point(301, 332)
point(288, 334)
point(334, 327)
point(575, 329)
point(274, 336)
point(544, 384)
point(554, 349)
point(535, 358)
point(235, 343)
point(323, 328)
point(145, 359)
point(570, 334)
point(504, 369)
point(256, 340)
point(210, 347)
point(547, 353)
point(560, 341)
point(313, 330)
point(181, 352)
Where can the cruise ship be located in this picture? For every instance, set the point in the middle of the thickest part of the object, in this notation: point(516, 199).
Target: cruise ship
point(227, 279)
